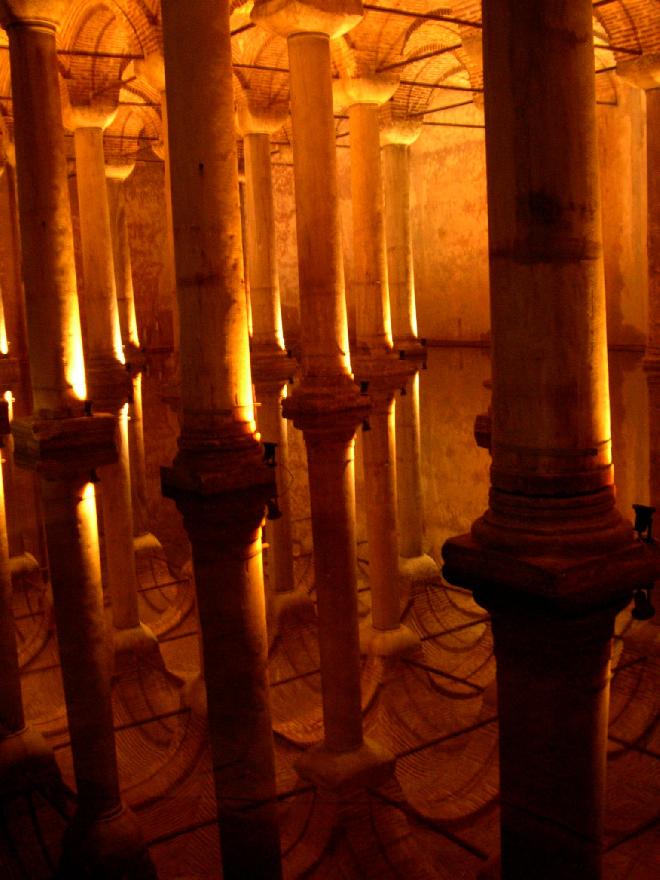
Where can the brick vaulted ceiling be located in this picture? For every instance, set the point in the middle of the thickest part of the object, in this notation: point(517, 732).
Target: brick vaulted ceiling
point(434, 49)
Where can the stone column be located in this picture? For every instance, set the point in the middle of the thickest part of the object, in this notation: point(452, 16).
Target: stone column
point(396, 138)
point(152, 69)
point(219, 479)
point(23, 509)
point(552, 558)
point(64, 445)
point(116, 175)
point(376, 364)
point(109, 384)
point(326, 404)
point(644, 72)
point(26, 761)
point(271, 366)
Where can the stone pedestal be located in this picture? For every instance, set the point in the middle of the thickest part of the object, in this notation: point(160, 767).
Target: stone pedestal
point(552, 558)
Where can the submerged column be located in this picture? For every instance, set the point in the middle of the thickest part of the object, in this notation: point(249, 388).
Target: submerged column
point(271, 366)
point(219, 479)
point(552, 559)
point(109, 385)
point(326, 404)
point(376, 364)
point(63, 445)
point(116, 175)
point(396, 138)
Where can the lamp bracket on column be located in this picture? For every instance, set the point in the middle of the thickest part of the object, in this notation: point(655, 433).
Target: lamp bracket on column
point(643, 608)
point(644, 522)
point(270, 450)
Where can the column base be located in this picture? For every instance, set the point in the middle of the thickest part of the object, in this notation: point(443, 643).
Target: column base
point(418, 568)
point(135, 646)
point(146, 543)
point(370, 765)
point(106, 848)
point(388, 642)
point(295, 603)
point(26, 763)
point(193, 695)
point(22, 565)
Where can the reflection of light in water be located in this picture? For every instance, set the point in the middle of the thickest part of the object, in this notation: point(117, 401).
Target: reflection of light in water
point(4, 345)
point(117, 344)
point(76, 369)
point(9, 397)
point(89, 531)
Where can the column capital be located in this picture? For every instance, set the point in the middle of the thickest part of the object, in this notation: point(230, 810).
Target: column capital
point(119, 172)
point(287, 17)
point(642, 72)
point(95, 114)
point(151, 68)
point(39, 13)
point(251, 119)
point(403, 131)
point(375, 90)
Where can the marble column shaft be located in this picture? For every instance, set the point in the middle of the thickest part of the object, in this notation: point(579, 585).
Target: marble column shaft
point(115, 179)
point(109, 387)
point(652, 357)
point(325, 403)
point(374, 328)
point(401, 278)
point(261, 243)
point(323, 321)
point(376, 363)
point(271, 367)
point(218, 479)
point(395, 153)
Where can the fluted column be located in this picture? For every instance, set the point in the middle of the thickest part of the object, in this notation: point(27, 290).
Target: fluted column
point(396, 138)
point(62, 444)
point(116, 175)
point(109, 384)
point(376, 364)
point(552, 559)
point(326, 404)
point(219, 479)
